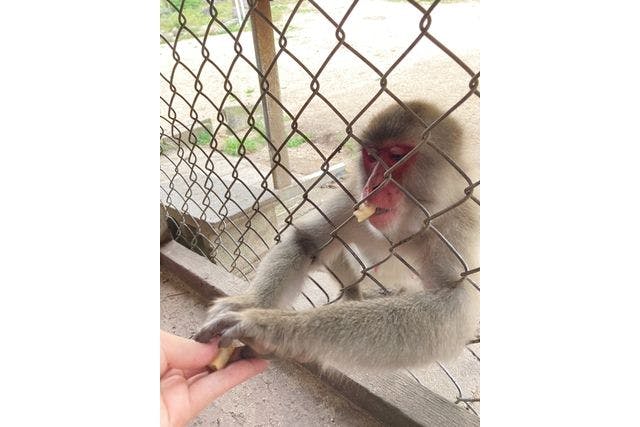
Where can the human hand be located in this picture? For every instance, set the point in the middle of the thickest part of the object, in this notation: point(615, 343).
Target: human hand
point(186, 386)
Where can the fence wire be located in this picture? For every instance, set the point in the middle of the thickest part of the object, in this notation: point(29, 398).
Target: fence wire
point(231, 181)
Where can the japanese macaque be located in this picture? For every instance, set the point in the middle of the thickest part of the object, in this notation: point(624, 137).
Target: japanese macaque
point(410, 328)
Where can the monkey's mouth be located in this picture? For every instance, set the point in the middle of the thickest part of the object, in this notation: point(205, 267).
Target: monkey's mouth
point(382, 218)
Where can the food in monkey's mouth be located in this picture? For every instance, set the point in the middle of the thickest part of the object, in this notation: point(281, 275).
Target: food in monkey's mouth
point(364, 212)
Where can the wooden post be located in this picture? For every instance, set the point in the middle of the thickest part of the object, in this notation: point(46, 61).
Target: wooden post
point(264, 45)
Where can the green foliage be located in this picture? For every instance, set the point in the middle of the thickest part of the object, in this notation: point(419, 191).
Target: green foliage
point(198, 16)
point(295, 141)
point(252, 143)
point(202, 137)
point(351, 146)
point(428, 2)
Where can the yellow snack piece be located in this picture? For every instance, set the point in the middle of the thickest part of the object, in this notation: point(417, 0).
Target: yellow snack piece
point(364, 212)
point(222, 358)
point(224, 354)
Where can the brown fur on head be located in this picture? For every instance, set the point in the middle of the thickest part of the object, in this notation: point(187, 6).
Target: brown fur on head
point(426, 175)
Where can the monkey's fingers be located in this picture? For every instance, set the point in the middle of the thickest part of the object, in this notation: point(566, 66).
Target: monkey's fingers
point(251, 350)
point(364, 212)
point(213, 327)
point(230, 335)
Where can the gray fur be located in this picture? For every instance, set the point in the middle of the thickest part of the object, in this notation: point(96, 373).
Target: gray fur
point(403, 330)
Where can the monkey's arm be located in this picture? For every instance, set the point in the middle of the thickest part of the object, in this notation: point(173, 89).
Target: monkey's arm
point(400, 331)
point(282, 272)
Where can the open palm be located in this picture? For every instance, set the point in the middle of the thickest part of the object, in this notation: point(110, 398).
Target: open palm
point(186, 385)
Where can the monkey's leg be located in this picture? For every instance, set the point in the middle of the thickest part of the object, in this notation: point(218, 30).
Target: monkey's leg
point(352, 292)
point(343, 269)
point(400, 331)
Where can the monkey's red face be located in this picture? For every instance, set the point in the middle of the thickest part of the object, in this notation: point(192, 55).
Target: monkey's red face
point(387, 199)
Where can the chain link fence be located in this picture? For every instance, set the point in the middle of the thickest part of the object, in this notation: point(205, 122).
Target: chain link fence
point(262, 104)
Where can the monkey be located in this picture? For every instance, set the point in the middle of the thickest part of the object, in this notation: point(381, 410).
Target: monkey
point(403, 330)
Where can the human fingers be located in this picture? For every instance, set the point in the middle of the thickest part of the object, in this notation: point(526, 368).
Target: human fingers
point(181, 353)
point(209, 387)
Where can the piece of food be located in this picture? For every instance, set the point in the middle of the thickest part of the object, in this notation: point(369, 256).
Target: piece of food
point(222, 358)
point(225, 354)
point(364, 211)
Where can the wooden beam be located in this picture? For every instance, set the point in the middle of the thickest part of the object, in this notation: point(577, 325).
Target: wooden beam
point(264, 45)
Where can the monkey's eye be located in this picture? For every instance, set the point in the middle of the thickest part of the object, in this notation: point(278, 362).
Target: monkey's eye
point(396, 154)
point(396, 157)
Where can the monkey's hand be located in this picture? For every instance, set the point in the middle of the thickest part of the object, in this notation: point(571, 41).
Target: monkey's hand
point(222, 307)
point(266, 331)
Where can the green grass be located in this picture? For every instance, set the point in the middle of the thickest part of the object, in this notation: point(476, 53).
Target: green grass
point(197, 16)
point(351, 146)
point(252, 143)
point(196, 13)
point(202, 137)
point(295, 141)
point(428, 2)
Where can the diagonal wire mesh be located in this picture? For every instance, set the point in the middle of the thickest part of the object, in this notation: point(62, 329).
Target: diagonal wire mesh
point(328, 67)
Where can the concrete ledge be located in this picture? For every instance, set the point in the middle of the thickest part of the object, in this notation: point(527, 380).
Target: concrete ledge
point(395, 399)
